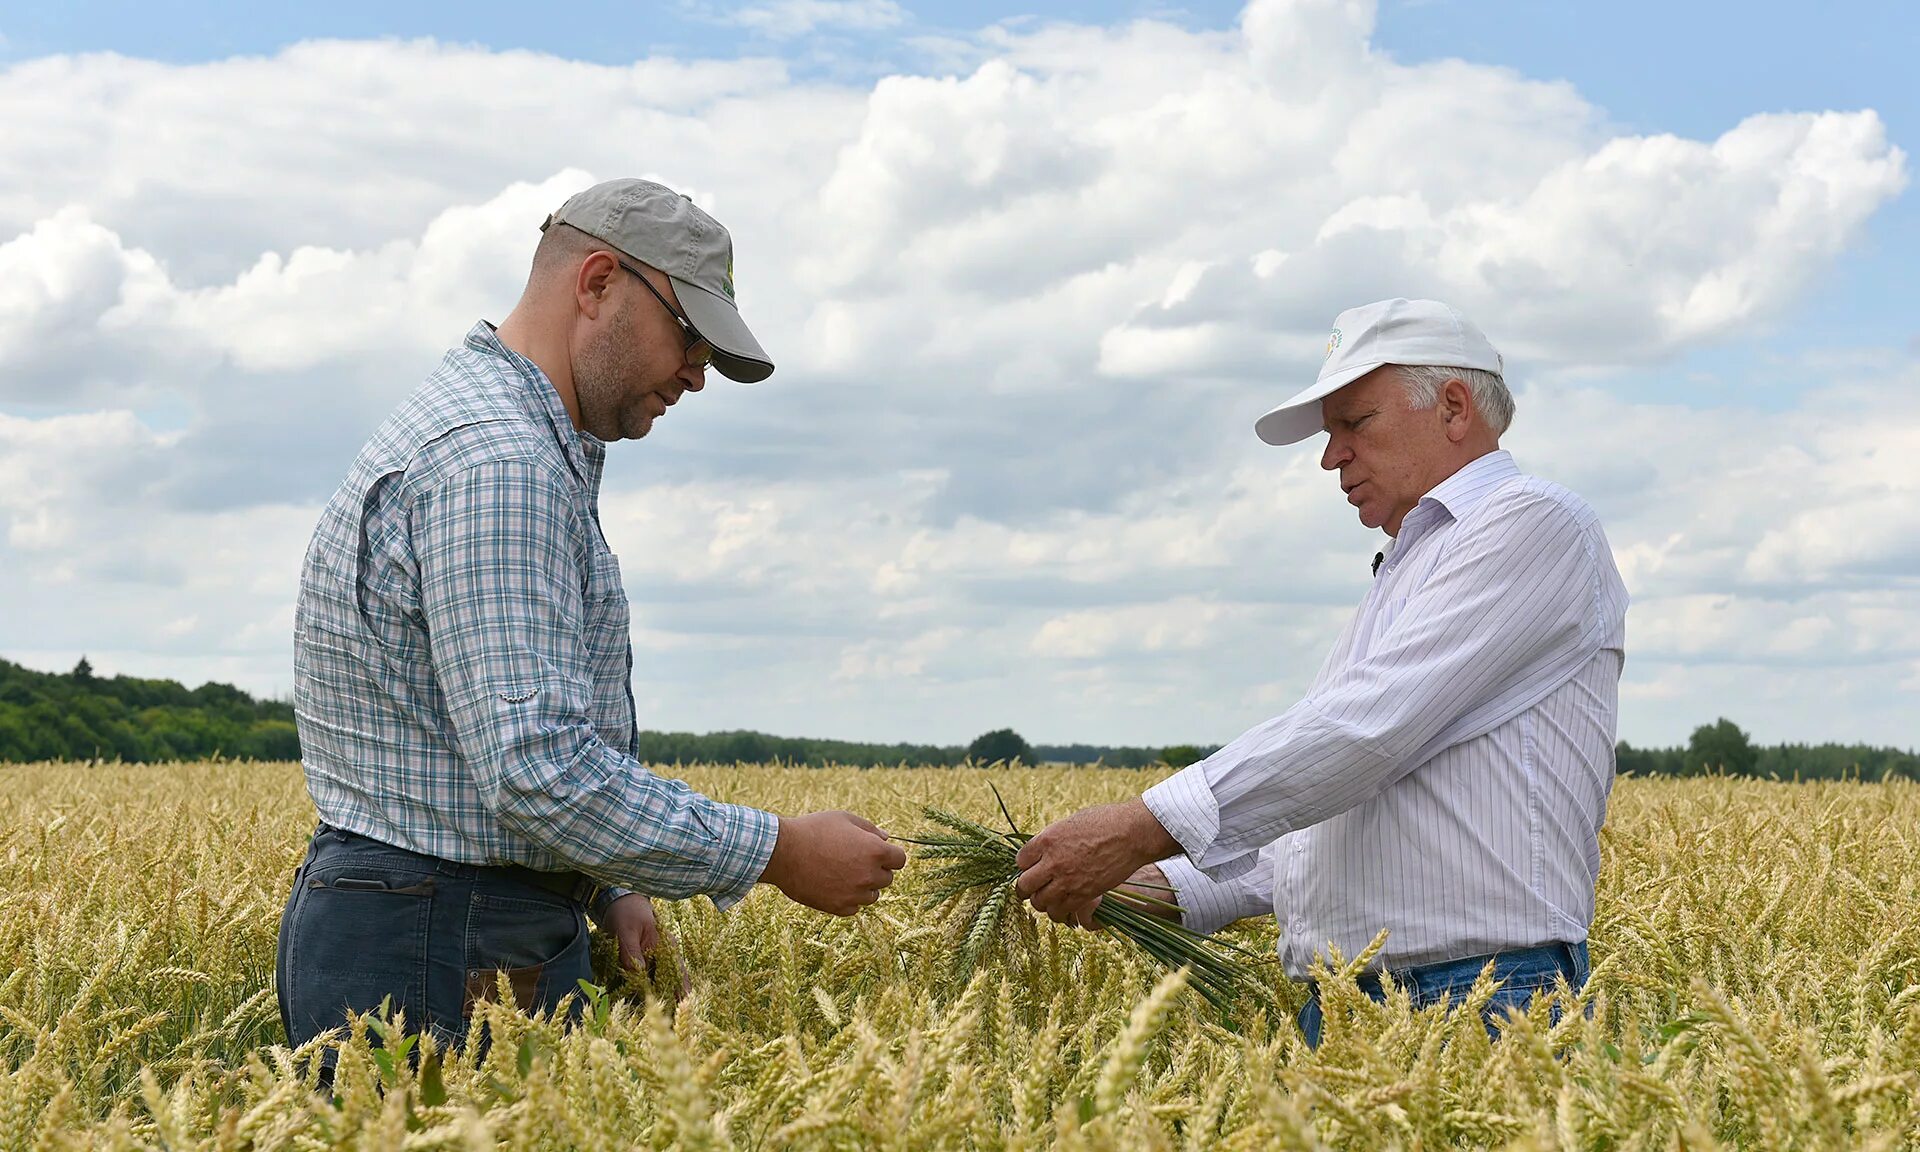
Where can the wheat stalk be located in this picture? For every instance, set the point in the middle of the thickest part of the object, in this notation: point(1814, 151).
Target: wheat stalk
point(978, 864)
point(1804, 1023)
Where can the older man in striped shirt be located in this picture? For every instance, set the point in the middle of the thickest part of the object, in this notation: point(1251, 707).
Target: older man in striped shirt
point(1446, 776)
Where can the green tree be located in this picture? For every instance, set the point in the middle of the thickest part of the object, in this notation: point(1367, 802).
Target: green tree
point(81, 715)
point(271, 740)
point(1723, 747)
point(1180, 755)
point(1000, 744)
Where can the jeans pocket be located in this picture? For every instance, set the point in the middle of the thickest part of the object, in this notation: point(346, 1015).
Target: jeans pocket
point(1516, 995)
point(1521, 990)
point(359, 935)
point(540, 945)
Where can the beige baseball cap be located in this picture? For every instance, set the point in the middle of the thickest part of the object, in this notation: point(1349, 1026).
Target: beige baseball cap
point(1364, 338)
point(657, 226)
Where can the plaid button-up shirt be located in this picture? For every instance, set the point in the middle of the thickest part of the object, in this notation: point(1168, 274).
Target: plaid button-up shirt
point(462, 663)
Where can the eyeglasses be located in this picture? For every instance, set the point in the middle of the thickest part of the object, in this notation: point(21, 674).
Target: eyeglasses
point(699, 353)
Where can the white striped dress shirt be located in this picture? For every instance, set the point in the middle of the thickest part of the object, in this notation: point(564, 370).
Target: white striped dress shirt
point(1447, 774)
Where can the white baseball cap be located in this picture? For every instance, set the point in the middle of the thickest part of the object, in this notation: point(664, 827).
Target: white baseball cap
point(1367, 337)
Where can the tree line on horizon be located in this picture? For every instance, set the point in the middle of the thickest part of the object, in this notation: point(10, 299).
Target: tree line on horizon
point(80, 716)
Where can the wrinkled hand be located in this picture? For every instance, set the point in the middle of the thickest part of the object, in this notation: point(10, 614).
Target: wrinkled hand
point(834, 861)
point(632, 921)
point(1072, 863)
point(1150, 884)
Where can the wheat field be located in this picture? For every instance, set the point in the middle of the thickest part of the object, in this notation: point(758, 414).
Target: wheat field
point(1754, 985)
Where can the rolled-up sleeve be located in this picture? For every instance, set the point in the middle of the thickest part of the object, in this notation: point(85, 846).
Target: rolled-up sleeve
point(1509, 611)
point(501, 594)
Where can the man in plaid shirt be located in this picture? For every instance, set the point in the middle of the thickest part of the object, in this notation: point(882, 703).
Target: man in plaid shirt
point(462, 664)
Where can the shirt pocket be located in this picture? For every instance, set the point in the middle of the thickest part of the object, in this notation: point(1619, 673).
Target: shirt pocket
point(606, 606)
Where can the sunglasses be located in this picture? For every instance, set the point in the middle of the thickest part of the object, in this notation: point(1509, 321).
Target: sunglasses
point(699, 353)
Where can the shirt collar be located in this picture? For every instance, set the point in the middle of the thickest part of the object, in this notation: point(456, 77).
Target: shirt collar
point(1453, 497)
point(1463, 491)
point(586, 452)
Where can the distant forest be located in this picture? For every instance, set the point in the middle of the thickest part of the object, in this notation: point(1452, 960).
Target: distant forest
point(80, 716)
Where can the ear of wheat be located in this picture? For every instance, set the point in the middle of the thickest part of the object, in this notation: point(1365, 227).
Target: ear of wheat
point(977, 864)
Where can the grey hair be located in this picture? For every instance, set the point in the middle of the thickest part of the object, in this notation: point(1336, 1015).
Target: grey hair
point(1490, 396)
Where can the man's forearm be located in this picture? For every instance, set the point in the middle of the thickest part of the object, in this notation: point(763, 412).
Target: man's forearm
point(623, 824)
point(1153, 841)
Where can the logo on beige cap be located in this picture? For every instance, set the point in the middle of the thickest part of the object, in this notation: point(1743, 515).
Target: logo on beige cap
point(1333, 342)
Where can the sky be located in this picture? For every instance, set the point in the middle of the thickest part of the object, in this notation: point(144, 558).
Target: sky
point(1029, 274)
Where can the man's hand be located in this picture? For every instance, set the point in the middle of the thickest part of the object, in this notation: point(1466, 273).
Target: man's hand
point(834, 861)
point(1072, 863)
point(1157, 897)
point(634, 926)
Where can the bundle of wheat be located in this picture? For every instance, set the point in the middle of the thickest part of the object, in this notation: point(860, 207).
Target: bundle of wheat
point(980, 870)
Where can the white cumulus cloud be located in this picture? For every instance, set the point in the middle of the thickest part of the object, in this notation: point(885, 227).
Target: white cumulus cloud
point(1024, 311)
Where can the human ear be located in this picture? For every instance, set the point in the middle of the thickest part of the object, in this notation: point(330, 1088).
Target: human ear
point(1456, 408)
point(591, 281)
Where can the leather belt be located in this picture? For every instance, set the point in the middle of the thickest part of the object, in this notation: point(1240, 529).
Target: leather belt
point(575, 886)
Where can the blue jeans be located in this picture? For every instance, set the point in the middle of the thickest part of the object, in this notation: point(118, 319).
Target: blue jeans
point(1523, 973)
point(368, 921)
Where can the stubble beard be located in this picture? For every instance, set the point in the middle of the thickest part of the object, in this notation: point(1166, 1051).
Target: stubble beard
point(601, 383)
